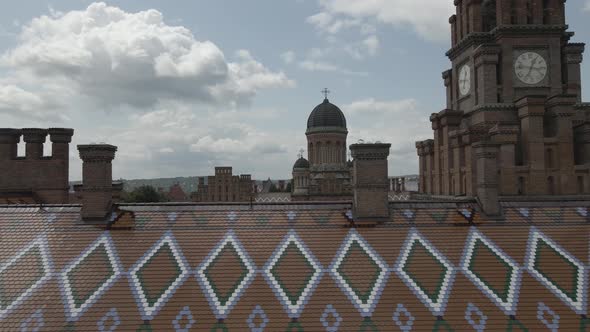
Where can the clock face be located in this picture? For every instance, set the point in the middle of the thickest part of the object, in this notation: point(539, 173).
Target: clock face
point(465, 80)
point(530, 68)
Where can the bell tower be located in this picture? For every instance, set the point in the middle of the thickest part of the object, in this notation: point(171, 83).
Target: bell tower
point(515, 85)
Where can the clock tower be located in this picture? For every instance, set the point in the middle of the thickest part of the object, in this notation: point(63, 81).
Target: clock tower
point(514, 123)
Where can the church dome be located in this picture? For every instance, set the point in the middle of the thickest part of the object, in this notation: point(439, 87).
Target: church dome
point(326, 116)
point(301, 163)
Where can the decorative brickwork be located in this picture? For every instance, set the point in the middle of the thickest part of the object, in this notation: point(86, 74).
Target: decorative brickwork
point(515, 82)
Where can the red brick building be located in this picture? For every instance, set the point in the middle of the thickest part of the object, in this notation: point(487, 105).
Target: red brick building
point(224, 187)
point(514, 123)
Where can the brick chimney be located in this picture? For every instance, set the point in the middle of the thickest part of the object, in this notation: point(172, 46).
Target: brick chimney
point(34, 137)
point(97, 178)
point(60, 142)
point(370, 182)
point(9, 139)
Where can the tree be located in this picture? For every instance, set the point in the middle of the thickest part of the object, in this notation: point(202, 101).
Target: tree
point(288, 190)
point(144, 194)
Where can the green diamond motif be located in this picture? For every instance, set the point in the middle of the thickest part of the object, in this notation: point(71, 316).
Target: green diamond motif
point(481, 248)
point(374, 271)
point(368, 326)
point(304, 265)
point(571, 292)
point(227, 250)
point(164, 252)
point(515, 325)
point(27, 271)
point(81, 272)
point(442, 325)
point(419, 248)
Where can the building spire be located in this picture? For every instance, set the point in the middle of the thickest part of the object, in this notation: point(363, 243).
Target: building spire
point(301, 153)
point(326, 92)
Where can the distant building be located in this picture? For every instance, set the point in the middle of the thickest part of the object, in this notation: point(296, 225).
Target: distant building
point(326, 174)
point(224, 187)
point(176, 194)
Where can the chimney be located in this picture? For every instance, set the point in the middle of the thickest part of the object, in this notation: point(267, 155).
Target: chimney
point(370, 182)
point(97, 178)
point(34, 137)
point(9, 139)
point(60, 139)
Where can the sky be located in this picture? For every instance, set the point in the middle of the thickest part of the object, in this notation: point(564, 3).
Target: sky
point(183, 86)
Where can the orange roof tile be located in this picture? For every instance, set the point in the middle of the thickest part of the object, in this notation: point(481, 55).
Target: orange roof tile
point(296, 267)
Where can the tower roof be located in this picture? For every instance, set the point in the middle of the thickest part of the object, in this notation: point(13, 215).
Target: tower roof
point(301, 163)
point(326, 116)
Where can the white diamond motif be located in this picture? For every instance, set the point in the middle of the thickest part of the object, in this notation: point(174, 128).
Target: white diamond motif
point(72, 310)
point(221, 311)
point(293, 309)
point(149, 311)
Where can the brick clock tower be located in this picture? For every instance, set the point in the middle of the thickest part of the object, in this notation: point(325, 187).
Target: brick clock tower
point(514, 122)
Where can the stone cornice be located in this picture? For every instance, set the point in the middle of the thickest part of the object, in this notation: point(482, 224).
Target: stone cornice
point(476, 38)
point(97, 152)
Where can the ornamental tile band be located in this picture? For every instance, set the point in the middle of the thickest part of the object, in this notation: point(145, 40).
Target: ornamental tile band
point(34, 323)
point(184, 315)
point(365, 300)
point(150, 300)
point(549, 318)
point(507, 296)
point(406, 324)
point(576, 296)
point(257, 313)
point(110, 319)
point(221, 304)
point(330, 314)
point(475, 318)
point(436, 299)
point(101, 253)
point(293, 300)
point(38, 251)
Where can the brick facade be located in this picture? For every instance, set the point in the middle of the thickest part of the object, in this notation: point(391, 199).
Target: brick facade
point(44, 176)
point(224, 187)
point(514, 82)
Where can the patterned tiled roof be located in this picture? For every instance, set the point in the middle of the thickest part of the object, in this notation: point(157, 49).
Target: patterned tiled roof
point(288, 267)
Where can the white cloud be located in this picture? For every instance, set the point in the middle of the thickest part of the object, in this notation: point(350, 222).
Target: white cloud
point(370, 105)
point(399, 122)
point(428, 18)
point(25, 104)
point(587, 7)
point(120, 58)
point(288, 57)
point(323, 66)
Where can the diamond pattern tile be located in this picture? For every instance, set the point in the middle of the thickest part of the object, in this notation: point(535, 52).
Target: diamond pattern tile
point(154, 285)
point(23, 274)
point(293, 273)
point(418, 254)
point(223, 300)
point(364, 288)
point(88, 276)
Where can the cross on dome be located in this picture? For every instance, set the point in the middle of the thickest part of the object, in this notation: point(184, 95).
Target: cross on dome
point(326, 92)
